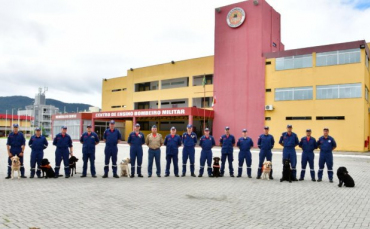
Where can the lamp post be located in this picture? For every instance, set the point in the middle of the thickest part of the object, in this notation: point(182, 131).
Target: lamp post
point(18, 117)
point(12, 116)
point(6, 122)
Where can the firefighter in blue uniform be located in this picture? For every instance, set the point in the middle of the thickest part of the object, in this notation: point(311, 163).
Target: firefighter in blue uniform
point(266, 144)
point(206, 142)
point(189, 140)
point(326, 144)
point(112, 137)
point(289, 141)
point(308, 145)
point(89, 140)
point(37, 143)
point(136, 140)
point(15, 146)
point(172, 143)
point(227, 142)
point(245, 143)
point(62, 141)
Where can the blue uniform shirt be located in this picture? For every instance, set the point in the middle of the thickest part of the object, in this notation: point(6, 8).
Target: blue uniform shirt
point(245, 144)
point(89, 141)
point(308, 146)
point(287, 140)
point(266, 142)
point(172, 144)
point(189, 140)
point(16, 141)
point(227, 144)
point(111, 137)
point(326, 144)
point(62, 142)
point(38, 143)
point(207, 143)
point(136, 140)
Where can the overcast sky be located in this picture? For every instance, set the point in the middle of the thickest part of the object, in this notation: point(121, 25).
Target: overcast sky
point(70, 46)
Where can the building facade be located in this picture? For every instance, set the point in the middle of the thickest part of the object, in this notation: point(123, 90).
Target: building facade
point(250, 82)
point(7, 121)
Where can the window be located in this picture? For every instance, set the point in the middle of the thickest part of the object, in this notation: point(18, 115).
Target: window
point(147, 86)
point(330, 117)
point(338, 57)
point(293, 62)
point(367, 62)
point(268, 118)
point(341, 91)
point(299, 118)
point(268, 62)
point(198, 80)
point(297, 93)
point(268, 90)
point(366, 94)
point(175, 83)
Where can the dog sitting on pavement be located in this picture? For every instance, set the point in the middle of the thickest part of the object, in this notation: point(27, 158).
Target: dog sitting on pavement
point(216, 167)
point(72, 165)
point(125, 169)
point(266, 170)
point(16, 166)
point(345, 178)
point(287, 171)
point(47, 170)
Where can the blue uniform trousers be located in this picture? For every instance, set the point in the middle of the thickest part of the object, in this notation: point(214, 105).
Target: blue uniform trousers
point(175, 161)
point(188, 152)
point(206, 155)
point(136, 155)
point(110, 152)
point(88, 156)
point(247, 157)
point(308, 157)
point(230, 158)
point(154, 154)
point(62, 154)
point(326, 157)
point(36, 157)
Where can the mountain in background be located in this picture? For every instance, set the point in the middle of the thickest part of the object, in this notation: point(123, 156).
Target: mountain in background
point(10, 102)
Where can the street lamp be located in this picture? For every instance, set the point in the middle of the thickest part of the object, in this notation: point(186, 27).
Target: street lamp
point(12, 116)
point(18, 117)
point(6, 122)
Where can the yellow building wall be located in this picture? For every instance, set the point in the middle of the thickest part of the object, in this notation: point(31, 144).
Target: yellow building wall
point(185, 68)
point(349, 133)
point(22, 124)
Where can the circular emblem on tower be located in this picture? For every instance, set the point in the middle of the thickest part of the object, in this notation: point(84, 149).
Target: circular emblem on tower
point(235, 17)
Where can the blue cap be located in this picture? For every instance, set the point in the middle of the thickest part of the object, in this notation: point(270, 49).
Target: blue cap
point(15, 125)
point(206, 129)
point(88, 126)
point(244, 130)
point(266, 127)
point(137, 125)
point(64, 127)
point(112, 122)
point(154, 126)
point(289, 126)
point(173, 128)
point(38, 129)
point(189, 126)
point(308, 130)
point(227, 128)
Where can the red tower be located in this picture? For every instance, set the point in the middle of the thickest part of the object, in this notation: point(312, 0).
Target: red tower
point(243, 32)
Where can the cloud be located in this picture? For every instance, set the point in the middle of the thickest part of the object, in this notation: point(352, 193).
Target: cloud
point(70, 46)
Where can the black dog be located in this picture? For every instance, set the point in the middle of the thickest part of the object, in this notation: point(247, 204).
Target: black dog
point(216, 167)
point(345, 178)
point(287, 171)
point(72, 165)
point(47, 170)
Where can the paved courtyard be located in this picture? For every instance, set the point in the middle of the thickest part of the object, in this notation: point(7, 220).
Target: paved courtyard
point(184, 202)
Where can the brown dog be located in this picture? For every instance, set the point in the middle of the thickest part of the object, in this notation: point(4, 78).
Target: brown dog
point(16, 166)
point(267, 166)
